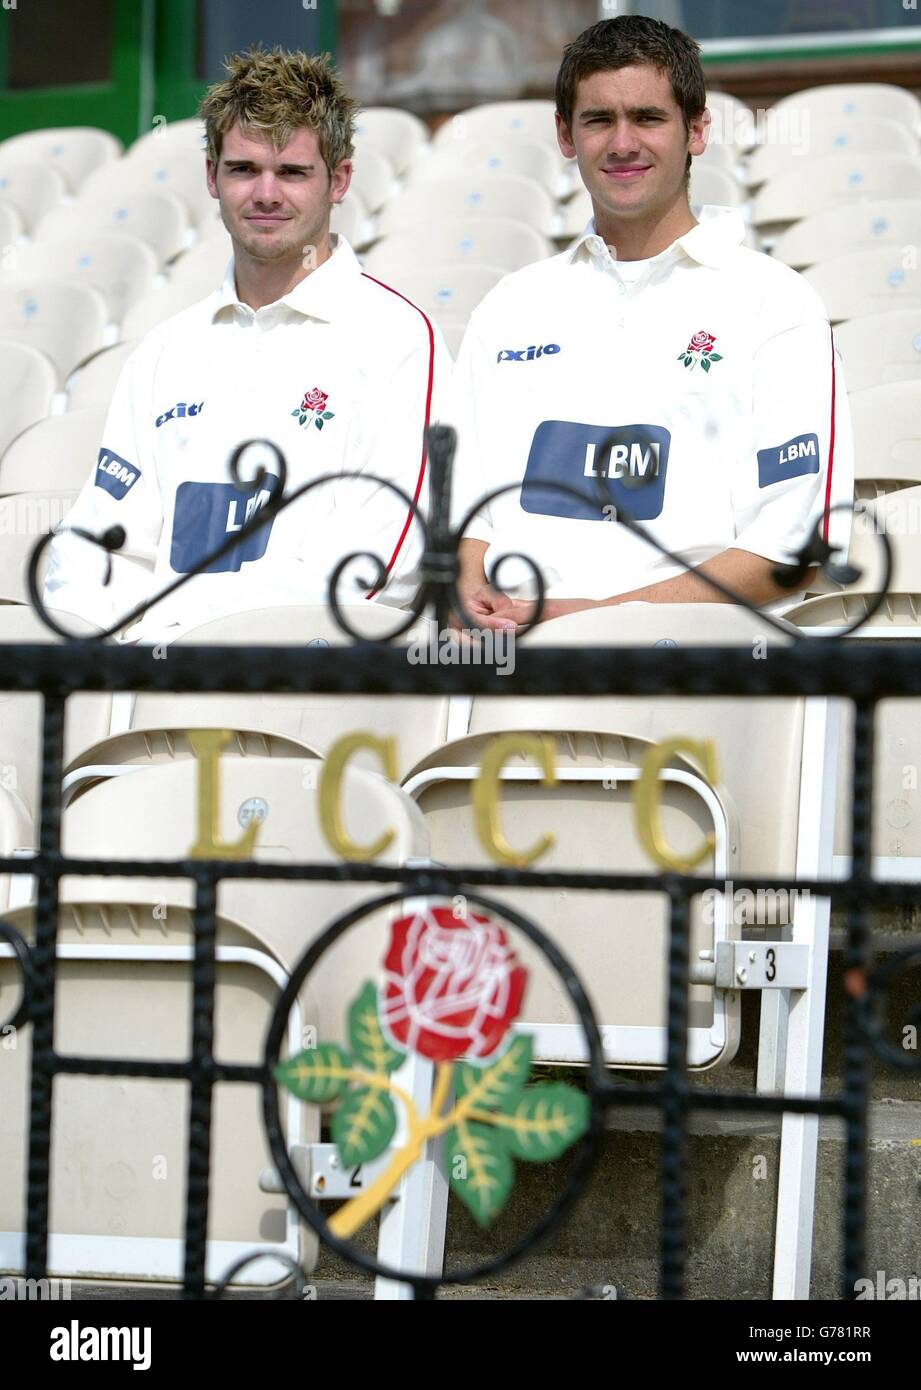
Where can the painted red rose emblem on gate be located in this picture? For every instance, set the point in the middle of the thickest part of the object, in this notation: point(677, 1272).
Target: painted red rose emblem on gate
point(452, 987)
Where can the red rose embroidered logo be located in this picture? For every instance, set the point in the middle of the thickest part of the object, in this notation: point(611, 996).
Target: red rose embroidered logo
point(700, 349)
point(313, 407)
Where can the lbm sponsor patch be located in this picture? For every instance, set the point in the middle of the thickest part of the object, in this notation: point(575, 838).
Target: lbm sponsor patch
point(791, 460)
point(115, 474)
point(206, 514)
point(620, 465)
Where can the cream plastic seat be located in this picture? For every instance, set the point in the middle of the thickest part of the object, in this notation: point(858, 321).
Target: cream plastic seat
point(24, 518)
point(10, 228)
point(290, 724)
point(840, 181)
point(500, 120)
point(866, 282)
point(120, 267)
point(94, 383)
point(59, 452)
point(823, 136)
point(71, 151)
point(854, 101)
point(453, 290)
point(495, 195)
point(717, 155)
point(397, 135)
point(125, 990)
point(881, 349)
point(27, 384)
point(158, 170)
point(823, 236)
point(476, 158)
point(731, 122)
point(65, 322)
point(200, 270)
point(351, 219)
point(186, 135)
point(452, 330)
point(157, 218)
point(886, 422)
point(87, 717)
point(17, 835)
point(33, 189)
point(160, 304)
point(372, 178)
point(717, 187)
point(465, 241)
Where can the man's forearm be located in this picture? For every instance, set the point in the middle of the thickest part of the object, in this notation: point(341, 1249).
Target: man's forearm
point(748, 575)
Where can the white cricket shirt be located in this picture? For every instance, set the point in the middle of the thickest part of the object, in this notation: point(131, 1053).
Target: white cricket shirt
point(341, 373)
point(704, 397)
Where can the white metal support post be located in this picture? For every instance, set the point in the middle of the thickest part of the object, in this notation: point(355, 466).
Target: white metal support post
point(802, 1059)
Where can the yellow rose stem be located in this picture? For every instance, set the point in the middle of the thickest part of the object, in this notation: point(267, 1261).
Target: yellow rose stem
point(350, 1218)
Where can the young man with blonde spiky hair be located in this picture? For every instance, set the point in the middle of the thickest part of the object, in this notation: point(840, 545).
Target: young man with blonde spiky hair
point(298, 347)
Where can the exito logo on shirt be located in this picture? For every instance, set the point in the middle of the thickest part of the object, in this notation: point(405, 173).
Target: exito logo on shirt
point(177, 412)
point(528, 354)
point(115, 474)
point(623, 465)
point(206, 514)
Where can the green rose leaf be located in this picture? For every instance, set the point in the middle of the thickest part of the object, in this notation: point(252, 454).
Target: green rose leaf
point(318, 423)
point(303, 418)
point(481, 1169)
point(318, 1074)
point(369, 1046)
point(493, 1085)
point(687, 361)
point(544, 1121)
point(705, 364)
point(363, 1125)
point(327, 414)
point(295, 412)
point(715, 357)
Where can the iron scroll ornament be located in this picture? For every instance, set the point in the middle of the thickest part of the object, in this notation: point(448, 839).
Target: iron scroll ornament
point(439, 566)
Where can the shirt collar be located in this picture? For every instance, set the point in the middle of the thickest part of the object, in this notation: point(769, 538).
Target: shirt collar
point(718, 231)
point(320, 295)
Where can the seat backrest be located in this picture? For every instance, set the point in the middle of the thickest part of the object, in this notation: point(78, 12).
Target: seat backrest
point(834, 232)
point(33, 189)
point(852, 101)
point(886, 423)
point(95, 382)
point(72, 151)
point(120, 267)
point(880, 349)
point(396, 134)
point(498, 241)
point(801, 142)
point(451, 289)
point(27, 384)
point(157, 218)
point(24, 518)
point(527, 158)
point(840, 180)
point(65, 322)
point(495, 195)
point(866, 282)
point(59, 452)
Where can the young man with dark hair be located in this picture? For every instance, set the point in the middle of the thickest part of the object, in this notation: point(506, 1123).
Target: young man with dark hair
point(298, 347)
point(657, 369)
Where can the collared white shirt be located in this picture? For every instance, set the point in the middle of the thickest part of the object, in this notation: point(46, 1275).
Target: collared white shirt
point(705, 398)
point(340, 374)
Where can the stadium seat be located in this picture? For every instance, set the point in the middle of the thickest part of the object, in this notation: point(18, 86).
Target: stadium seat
point(10, 230)
point(840, 181)
point(17, 833)
point(372, 179)
point(886, 422)
point(463, 241)
point(65, 322)
point(27, 385)
point(793, 145)
point(867, 282)
point(160, 304)
point(95, 382)
point(495, 195)
point(72, 151)
point(716, 187)
point(898, 515)
point(175, 171)
point(500, 120)
point(120, 267)
point(33, 189)
point(187, 135)
point(59, 453)
point(854, 101)
point(452, 330)
point(293, 723)
point(159, 219)
point(87, 717)
point(881, 349)
point(127, 942)
point(451, 289)
point(475, 158)
point(24, 518)
point(732, 124)
point(396, 134)
point(825, 235)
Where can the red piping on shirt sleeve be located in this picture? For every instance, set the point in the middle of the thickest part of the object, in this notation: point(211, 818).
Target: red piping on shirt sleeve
point(831, 439)
point(428, 407)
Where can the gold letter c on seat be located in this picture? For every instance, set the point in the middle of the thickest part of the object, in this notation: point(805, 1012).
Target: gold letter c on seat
point(331, 771)
point(486, 801)
point(646, 805)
